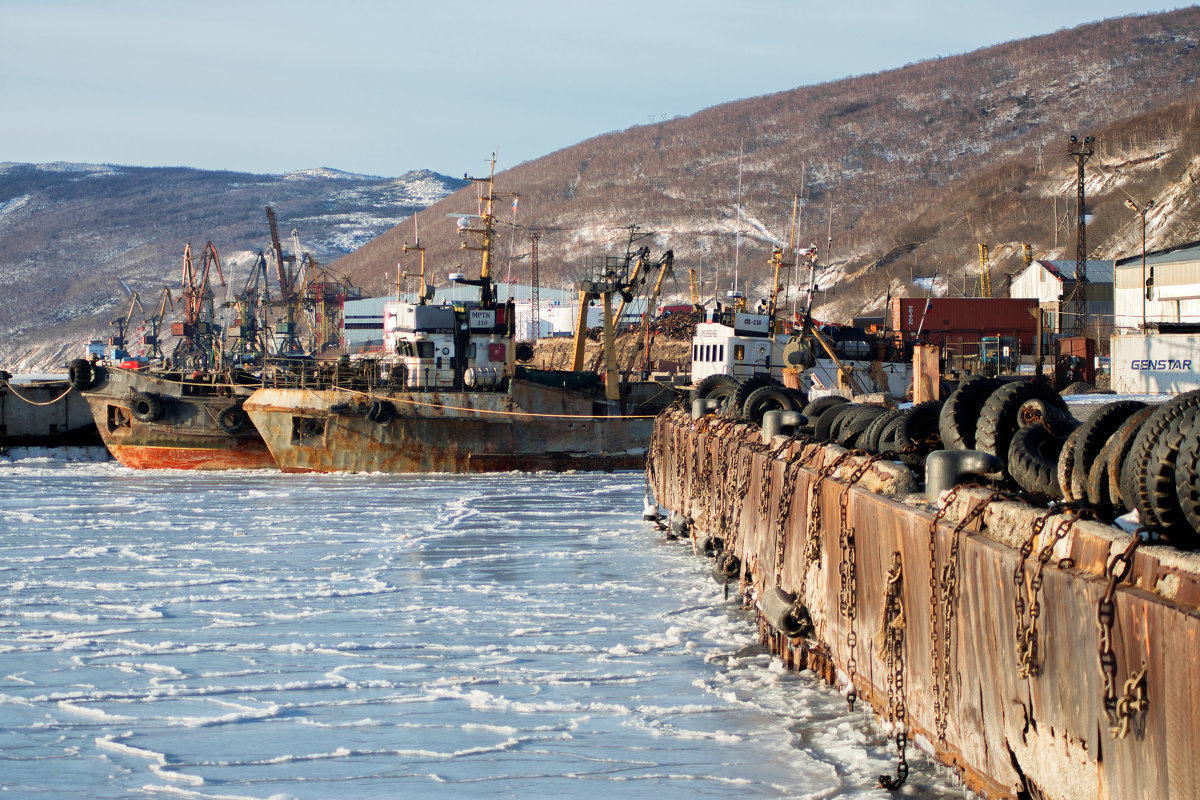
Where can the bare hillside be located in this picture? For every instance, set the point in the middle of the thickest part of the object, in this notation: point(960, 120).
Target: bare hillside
point(886, 164)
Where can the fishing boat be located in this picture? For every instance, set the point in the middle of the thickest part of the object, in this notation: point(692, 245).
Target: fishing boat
point(173, 419)
point(449, 395)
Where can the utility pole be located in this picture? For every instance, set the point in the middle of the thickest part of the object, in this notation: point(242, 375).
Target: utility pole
point(1081, 151)
point(1141, 211)
point(534, 294)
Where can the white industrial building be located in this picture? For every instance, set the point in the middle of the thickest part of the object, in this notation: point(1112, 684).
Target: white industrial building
point(1051, 283)
point(1167, 292)
point(1158, 312)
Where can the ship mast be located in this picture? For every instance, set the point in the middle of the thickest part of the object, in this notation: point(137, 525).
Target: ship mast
point(484, 234)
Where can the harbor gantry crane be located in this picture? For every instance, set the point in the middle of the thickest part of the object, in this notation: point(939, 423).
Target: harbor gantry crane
point(287, 332)
point(122, 323)
point(250, 344)
point(199, 344)
point(152, 340)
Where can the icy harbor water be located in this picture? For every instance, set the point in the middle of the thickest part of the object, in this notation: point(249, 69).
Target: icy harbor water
point(259, 635)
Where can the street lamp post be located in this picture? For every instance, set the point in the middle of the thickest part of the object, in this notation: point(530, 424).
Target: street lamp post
point(1141, 211)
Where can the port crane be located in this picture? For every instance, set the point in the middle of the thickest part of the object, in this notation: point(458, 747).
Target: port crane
point(199, 345)
point(152, 339)
point(122, 322)
point(290, 293)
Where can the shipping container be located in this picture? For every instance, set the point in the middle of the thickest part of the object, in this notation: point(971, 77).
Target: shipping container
point(1155, 362)
point(959, 320)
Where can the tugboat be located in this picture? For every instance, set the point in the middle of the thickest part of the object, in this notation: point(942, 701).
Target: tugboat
point(450, 397)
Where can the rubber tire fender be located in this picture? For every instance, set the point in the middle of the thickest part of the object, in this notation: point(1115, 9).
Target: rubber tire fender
point(84, 374)
point(746, 387)
point(1157, 481)
point(850, 434)
point(960, 413)
point(1187, 480)
point(381, 412)
point(1033, 460)
point(705, 387)
point(816, 407)
point(146, 407)
point(1066, 464)
point(1123, 443)
point(1094, 433)
point(1096, 488)
point(233, 419)
point(724, 393)
point(870, 440)
point(999, 419)
point(822, 429)
point(767, 398)
point(1133, 469)
point(921, 425)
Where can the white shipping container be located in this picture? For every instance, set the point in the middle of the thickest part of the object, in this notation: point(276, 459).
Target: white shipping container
point(1155, 363)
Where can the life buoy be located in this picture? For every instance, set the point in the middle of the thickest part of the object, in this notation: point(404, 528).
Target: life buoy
point(84, 375)
point(381, 412)
point(146, 407)
point(232, 420)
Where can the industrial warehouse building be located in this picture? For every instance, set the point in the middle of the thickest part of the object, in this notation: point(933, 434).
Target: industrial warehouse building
point(1052, 283)
point(1158, 319)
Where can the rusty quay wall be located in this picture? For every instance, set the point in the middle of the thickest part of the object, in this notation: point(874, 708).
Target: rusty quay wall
point(980, 623)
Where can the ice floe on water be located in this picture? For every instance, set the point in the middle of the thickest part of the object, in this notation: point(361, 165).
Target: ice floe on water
point(259, 635)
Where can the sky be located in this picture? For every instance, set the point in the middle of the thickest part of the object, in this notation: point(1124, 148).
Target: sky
point(382, 87)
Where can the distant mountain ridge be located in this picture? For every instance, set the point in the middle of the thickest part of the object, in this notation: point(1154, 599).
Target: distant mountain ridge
point(71, 234)
point(874, 158)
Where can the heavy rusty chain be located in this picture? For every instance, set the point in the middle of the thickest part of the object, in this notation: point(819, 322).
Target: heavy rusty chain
point(848, 573)
point(1026, 633)
point(945, 598)
point(721, 500)
point(787, 494)
point(764, 478)
point(1120, 711)
point(894, 625)
point(742, 479)
point(812, 537)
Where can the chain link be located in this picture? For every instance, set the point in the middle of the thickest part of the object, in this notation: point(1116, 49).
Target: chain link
point(893, 626)
point(848, 574)
point(941, 598)
point(1119, 711)
point(1026, 633)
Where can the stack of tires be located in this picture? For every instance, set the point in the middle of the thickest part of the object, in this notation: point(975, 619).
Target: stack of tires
point(749, 399)
point(911, 433)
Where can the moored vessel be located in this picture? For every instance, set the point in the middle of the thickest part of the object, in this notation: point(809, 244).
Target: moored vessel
point(174, 420)
point(449, 395)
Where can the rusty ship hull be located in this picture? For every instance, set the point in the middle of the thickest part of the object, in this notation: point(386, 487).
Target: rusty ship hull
point(180, 427)
point(530, 427)
point(1006, 640)
point(44, 413)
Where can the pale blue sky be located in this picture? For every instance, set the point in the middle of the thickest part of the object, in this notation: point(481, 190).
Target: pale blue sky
point(384, 87)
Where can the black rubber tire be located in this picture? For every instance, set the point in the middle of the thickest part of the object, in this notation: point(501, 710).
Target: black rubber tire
point(824, 424)
point(1066, 463)
point(871, 438)
point(746, 387)
point(850, 434)
point(233, 420)
point(920, 426)
point(1033, 460)
point(705, 387)
point(381, 412)
point(1133, 471)
point(723, 393)
point(1187, 485)
point(960, 414)
point(999, 419)
point(764, 399)
point(1096, 488)
point(1122, 443)
point(889, 435)
point(798, 397)
point(84, 374)
point(817, 407)
point(845, 416)
point(1093, 435)
point(1157, 495)
point(146, 407)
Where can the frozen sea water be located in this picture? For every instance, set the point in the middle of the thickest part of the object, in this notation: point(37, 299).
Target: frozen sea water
point(259, 635)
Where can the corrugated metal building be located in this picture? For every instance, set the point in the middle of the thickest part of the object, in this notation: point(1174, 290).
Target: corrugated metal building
point(1051, 283)
point(1169, 293)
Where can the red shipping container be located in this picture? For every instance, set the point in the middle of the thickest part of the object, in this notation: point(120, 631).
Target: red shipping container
point(966, 319)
